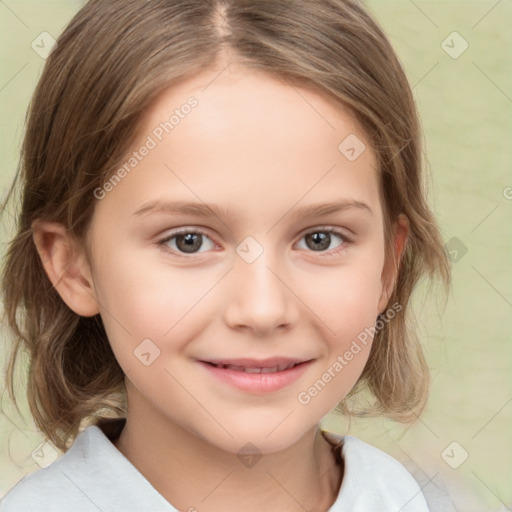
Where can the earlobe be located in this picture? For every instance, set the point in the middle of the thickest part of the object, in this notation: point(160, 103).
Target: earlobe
point(390, 271)
point(66, 266)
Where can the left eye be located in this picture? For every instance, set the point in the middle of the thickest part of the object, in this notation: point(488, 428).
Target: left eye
point(320, 240)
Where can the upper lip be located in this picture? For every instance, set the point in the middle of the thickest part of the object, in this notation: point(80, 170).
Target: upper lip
point(257, 363)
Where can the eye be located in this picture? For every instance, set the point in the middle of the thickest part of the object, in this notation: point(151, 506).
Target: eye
point(186, 241)
point(191, 240)
point(320, 240)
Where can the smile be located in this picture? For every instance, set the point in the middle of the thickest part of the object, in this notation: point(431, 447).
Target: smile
point(256, 369)
point(256, 377)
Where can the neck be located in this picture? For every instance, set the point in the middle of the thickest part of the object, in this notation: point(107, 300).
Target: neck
point(193, 475)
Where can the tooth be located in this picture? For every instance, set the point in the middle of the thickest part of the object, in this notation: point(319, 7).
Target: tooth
point(272, 369)
point(254, 370)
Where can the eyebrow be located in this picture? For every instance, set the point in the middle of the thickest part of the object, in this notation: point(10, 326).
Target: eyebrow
point(206, 210)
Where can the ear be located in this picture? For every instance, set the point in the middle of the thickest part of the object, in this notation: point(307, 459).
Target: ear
point(400, 232)
point(66, 266)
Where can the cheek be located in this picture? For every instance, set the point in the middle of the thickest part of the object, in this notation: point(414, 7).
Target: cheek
point(142, 300)
point(346, 299)
point(345, 303)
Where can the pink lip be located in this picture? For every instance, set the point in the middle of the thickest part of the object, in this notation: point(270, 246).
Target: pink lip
point(257, 383)
point(257, 363)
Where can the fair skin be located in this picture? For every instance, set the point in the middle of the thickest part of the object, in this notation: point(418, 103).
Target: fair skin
point(261, 149)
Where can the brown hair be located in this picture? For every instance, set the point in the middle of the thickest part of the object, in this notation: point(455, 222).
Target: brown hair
point(111, 62)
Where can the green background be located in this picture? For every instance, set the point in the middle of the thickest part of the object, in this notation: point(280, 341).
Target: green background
point(465, 105)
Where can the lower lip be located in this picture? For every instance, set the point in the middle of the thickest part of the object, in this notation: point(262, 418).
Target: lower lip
point(258, 382)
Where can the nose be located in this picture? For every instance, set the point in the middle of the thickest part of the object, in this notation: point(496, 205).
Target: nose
point(261, 297)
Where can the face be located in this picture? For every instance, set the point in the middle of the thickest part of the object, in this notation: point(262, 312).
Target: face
point(260, 280)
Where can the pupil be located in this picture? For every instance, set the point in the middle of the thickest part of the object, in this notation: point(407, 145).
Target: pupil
point(192, 242)
point(322, 240)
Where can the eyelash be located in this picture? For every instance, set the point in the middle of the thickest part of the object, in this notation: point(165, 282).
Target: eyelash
point(346, 241)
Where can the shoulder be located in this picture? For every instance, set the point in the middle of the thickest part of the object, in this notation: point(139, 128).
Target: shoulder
point(41, 489)
point(366, 459)
point(374, 480)
point(92, 475)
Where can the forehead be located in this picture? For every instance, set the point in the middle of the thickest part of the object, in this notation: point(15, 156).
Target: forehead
point(251, 105)
point(250, 140)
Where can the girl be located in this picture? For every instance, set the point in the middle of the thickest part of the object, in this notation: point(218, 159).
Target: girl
point(222, 223)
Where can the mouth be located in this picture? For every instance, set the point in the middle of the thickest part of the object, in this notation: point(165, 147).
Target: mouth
point(257, 376)
point(269, 365)
point(254, 369)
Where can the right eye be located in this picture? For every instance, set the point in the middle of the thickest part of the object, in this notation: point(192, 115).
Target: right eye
point(185, 241)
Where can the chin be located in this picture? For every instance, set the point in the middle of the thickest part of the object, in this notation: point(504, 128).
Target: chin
point(270, 435)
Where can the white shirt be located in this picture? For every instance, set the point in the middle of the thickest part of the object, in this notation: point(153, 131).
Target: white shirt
point(93, 475)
